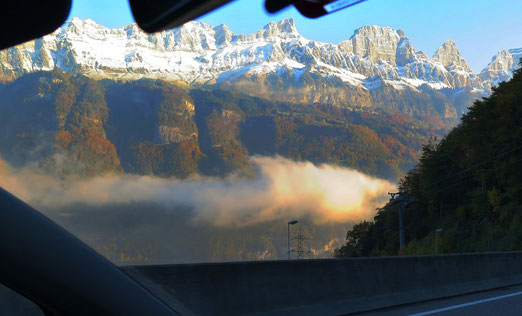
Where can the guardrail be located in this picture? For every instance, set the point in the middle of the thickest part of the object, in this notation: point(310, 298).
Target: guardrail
point(324, 287)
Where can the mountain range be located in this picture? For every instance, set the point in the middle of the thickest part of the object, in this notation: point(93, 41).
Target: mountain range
point(201, 99)
point(88, 100)
point(200, 54)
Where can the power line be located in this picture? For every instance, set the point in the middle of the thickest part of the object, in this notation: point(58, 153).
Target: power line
point(478, 164)
point(476, 176)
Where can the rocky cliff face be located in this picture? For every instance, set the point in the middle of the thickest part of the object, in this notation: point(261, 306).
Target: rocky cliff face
point(58, 123)
point(501, 67)
point(76, 126)
point(201, 54)
point(449, 56)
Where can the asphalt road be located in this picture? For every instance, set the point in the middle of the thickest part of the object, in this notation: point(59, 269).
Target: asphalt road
point(506, 301)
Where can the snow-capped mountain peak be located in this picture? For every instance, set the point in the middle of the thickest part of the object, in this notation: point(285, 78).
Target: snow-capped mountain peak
point(379, 44)
point(285, 28)
point(449, 56)
point(501, 67)
point(198, 53)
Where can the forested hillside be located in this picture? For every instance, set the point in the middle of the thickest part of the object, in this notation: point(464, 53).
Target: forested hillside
point(71, 125)
point(469, 184)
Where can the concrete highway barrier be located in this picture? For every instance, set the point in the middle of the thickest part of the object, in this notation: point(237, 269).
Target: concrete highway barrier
point(324, 287)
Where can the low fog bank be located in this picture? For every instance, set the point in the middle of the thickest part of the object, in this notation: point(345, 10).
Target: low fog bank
point(144, 219)
point(282, 189)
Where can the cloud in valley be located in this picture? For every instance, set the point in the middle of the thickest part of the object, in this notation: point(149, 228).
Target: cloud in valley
point(282, 190)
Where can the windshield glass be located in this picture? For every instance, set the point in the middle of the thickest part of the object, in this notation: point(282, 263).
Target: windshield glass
point(249, 136)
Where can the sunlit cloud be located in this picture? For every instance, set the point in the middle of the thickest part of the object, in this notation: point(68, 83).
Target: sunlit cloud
point(282, 190)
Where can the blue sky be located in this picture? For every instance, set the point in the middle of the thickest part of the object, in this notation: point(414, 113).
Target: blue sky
point(480, 28)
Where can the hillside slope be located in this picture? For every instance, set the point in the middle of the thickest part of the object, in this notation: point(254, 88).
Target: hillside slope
point(72, 125)
point(469, 184)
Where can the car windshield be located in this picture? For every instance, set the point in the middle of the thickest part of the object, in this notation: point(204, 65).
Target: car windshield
point(249, 136)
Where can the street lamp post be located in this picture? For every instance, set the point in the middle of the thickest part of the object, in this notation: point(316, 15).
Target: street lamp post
point(436, 237)
point(290, 223)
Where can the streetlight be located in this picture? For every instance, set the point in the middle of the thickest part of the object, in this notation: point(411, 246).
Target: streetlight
point(436, 235)
point(290, 223)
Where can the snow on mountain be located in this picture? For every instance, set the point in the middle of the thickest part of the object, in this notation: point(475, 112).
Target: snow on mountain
point(449, 56)
point(501, 67)
point(198, 53)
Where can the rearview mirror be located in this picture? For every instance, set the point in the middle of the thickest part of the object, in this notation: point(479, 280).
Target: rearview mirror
point(311, 8)
point(158, 15)
point(22, 21)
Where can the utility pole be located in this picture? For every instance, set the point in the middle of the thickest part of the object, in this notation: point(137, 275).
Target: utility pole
point(404, 200)
point(290, 223)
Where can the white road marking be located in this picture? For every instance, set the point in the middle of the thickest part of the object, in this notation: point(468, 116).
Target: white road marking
point(466, 304)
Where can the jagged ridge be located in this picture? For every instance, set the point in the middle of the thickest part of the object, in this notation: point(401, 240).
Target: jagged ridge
point(198, 53)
